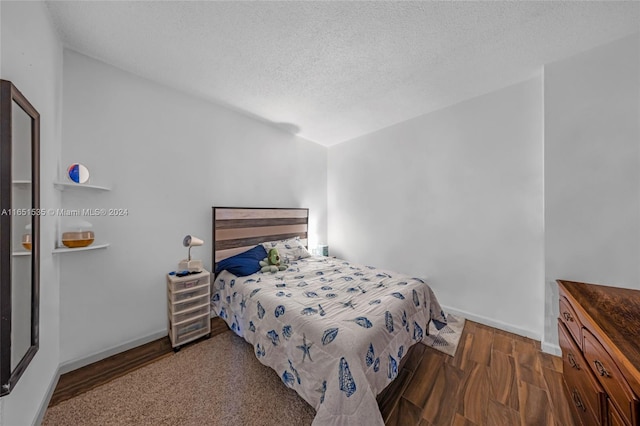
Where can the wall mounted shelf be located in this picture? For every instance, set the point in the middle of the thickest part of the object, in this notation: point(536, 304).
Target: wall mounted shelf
point(69, 250)
point(21, 182)
point(21, 253)
point(62, 186)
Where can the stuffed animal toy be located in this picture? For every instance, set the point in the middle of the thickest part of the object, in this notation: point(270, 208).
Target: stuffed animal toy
point(271, 263)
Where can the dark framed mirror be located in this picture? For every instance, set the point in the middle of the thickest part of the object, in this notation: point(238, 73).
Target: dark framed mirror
point(20, 234)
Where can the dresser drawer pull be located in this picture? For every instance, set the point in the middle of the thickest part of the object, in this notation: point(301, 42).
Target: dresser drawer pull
point(567, 316)
point(601, 370)
point(572, 361)
point(578, 401)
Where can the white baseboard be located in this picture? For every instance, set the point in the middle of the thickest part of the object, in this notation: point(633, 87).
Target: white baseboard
point(494, 323)
point(67, 366)
point(47, 397)
point(551, 348)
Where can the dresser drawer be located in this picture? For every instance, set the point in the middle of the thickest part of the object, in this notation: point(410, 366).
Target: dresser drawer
point(189, 330)
point(570, 319)
point(189, 282)
point(584, 392)
point(188, 304)
point(615, 419)
point(191, 313)
point(184, 295)
point(609, 376)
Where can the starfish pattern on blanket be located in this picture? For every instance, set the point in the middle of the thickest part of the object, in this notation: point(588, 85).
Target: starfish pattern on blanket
point(305, 348)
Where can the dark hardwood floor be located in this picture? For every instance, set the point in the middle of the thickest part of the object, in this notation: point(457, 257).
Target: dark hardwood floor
point(495, 378)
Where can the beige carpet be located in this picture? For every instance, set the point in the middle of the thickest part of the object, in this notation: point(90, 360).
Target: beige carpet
point(217, 381)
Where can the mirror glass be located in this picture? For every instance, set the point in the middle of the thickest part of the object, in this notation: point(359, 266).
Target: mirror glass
point(20, 226)
point(20, 230)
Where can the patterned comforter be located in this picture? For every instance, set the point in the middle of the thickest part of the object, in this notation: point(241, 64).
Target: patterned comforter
point(334, 331)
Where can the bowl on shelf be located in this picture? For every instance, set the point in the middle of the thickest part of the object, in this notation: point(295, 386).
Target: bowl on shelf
point(26, 241)
point(75, 239)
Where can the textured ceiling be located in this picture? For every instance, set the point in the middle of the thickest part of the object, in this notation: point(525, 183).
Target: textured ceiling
point(332, 71)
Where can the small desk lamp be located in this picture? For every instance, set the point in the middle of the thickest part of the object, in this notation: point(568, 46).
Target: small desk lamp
point(188, 264)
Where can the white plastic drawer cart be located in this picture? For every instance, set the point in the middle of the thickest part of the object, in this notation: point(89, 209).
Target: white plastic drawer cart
point(188, 308)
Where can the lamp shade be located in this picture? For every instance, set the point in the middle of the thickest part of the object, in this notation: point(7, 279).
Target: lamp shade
point(191, 241)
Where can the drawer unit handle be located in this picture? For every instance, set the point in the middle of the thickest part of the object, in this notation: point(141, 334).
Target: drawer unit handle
point(189, 284)
point(601, 370)
point(578, 401)
point(572, 361)
point(567, 316)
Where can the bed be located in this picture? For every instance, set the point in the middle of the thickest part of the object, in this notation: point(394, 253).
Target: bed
point(334, 331)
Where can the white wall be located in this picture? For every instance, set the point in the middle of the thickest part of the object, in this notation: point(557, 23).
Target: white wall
point(32, 59)
point(456, 196)
point(169, 158)
point(592, 170)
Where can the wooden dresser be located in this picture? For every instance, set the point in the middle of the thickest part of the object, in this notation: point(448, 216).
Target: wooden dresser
point(599, 332)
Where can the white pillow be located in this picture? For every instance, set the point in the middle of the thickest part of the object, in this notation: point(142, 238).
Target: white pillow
point(288, 250)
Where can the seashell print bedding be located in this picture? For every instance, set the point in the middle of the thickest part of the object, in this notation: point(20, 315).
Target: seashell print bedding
point(334, 331)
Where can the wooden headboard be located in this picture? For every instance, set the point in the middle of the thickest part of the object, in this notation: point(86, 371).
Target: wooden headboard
point(237, 229)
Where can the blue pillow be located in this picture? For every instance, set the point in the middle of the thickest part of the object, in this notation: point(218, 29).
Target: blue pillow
point(243, 264)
